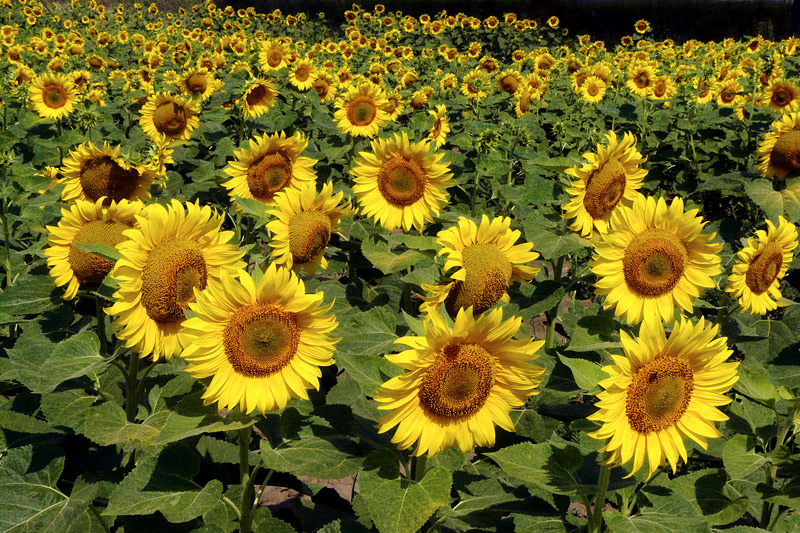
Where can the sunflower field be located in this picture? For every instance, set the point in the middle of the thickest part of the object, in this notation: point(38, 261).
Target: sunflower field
point(269, 272)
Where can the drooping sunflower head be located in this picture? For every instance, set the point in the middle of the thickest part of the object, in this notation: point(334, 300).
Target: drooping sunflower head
point(361, 111)
point(271, 164)
point(755, 279)
point(325, 86)
point(782, 96)
point(482, 262)
point(779, 151)
point(662, 391)
point(459, 382)
point(53, 96)
point(612, 177)
point(258, 98)
point(198, 83)
point(87, 223)
point(168, 115)
point(401, 184)
point(509, 81)
point(261, 342)
point(91, 173)
point(175, 252)
point(304, 222)
point(653, 259)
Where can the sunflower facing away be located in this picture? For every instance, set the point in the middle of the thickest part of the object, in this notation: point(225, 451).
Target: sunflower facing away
point(271, 164)
point(86, 223)
point(304, 222)
point(654, 258)
point(258, 98)
point(458, 383)
point(401, 184)
point(662, 391)
point(90, 173)
point(361, 111)
point(486, 258)
point(755, 279)
point(168, 115)
point(175, 250)
point(262, 342)
point(779, 151)
point(53, 96)
point(612, 176)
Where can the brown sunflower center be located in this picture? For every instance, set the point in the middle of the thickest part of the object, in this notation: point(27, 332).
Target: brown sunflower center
point(88, 266)
point(642, 80)
point(401, 181)
point(605, 188)
point(782, 96)
point(274, 58)
point(509, 84)
point(309, 233)
point(786, 153)
point(592, 89)
point(54, 96)
point(170, 119)
point(321, 86)
point(654, 262)
point(196, 83)
point(269, 175)
point(362, 110)
point(105, 177)
point(172, 271)
point(488, 274)
point(256, 94)
point(658, 394)
point(659, 89)
point(301, 73)
point(458, 381)
point(765, 268)
point(260, 340)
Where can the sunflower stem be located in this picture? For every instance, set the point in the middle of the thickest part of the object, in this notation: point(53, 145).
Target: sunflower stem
point(60, 130)
point(552, 314)
point(6, 239)
point(246, 507)
point(766, 507)
point(101, 325)
point(132, 399)
point(232, 505)
point(418, 467)
point(596, 516)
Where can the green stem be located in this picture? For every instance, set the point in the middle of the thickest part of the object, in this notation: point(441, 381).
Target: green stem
point(132, 399)
point(232, 505)
point(246, 517)
point(596, 516)
point(140, 385)
point(418, 467)
point(552, 314)
point(474, 195)
point(60, 130)
point(7, 238)
point(264, 485)
point(101, 325)
point(766, 507)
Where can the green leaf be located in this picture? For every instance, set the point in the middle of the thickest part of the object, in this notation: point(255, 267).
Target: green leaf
point(754, 381)
point(102, 250)
point(540, 298)
point(22, 423)
point(380, 254)
point(704, 489)
point(552, 245)
point(221, 451)
point(545, 465)
point(29, 295)
point(586, 373)
point(253, 208)
point(165, 483)
point(727, 183)
point(672, 513)
point(398, 506)
point(332, 457)
point(67, 408)
point(107, 425)
point(190, 417)
point(765, 197)
point(740, 458)
point(71, 358)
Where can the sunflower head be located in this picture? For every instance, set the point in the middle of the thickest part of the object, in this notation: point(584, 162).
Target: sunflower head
point(168, 115)
point(782, 96)
point(362, 110)
point(258, 98)
point(779, 151)
point(53, 96)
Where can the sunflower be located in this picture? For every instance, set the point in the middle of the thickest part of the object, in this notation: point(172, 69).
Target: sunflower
point(362, 110)
point(53, 96)
point(654, 258)
point(303, 225)
point(662, 391)
point(258, 98)
point(487, 260)
point(779, 151)
point(611, 176)
point(87, 223)
point(640, 79)
point(395, 105)
point(509, 81)
point(475, 85)
point(165, 114)
point(303, 74)
point(755, 279)
point(325, 86)
point(198, 83)
point(593, 89)
point(273, 55)
point(174, 251)
point(664, 88)
point(782, 96)
point(641, 26)
point(271, 164)
point(260, 342)
point(91, 173)
point(729, 92)
point(458, 383)
point(401, 184)
point(441, 127)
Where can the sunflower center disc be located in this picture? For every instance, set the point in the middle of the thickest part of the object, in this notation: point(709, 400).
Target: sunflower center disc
point(269, 175)
point(256, 94)
point(274, 58)
point(605, 188)
point(172, 271)
point(401, 181)
point(88, 266)
point(786, 153)
point(642, 80)
point(764, 269)
point(654, 262)
point(594, 90)
point(458, 381)
point(196, 83)
point(321, 86)
point(509, 84)
point(301, 74)
point(309, 233)
point(105, 177)
point(659, 89)
point(170, 119)
point(658, 394)
point(362, 111)
point(781, 96)
point(55, 96)
point(260, 340)
point(488, 274)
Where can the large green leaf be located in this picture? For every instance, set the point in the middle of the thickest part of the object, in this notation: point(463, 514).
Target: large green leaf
point(545, 465)
point(331, 457)
point(190, 417)
point(704, 489)
point(381, 255)
point(29, 295)
point(740, 457)
point(107, 425)
point(586, 373)
point(669, 514)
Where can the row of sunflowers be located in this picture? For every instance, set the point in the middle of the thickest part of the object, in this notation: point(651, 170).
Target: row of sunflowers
point(220, 224)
